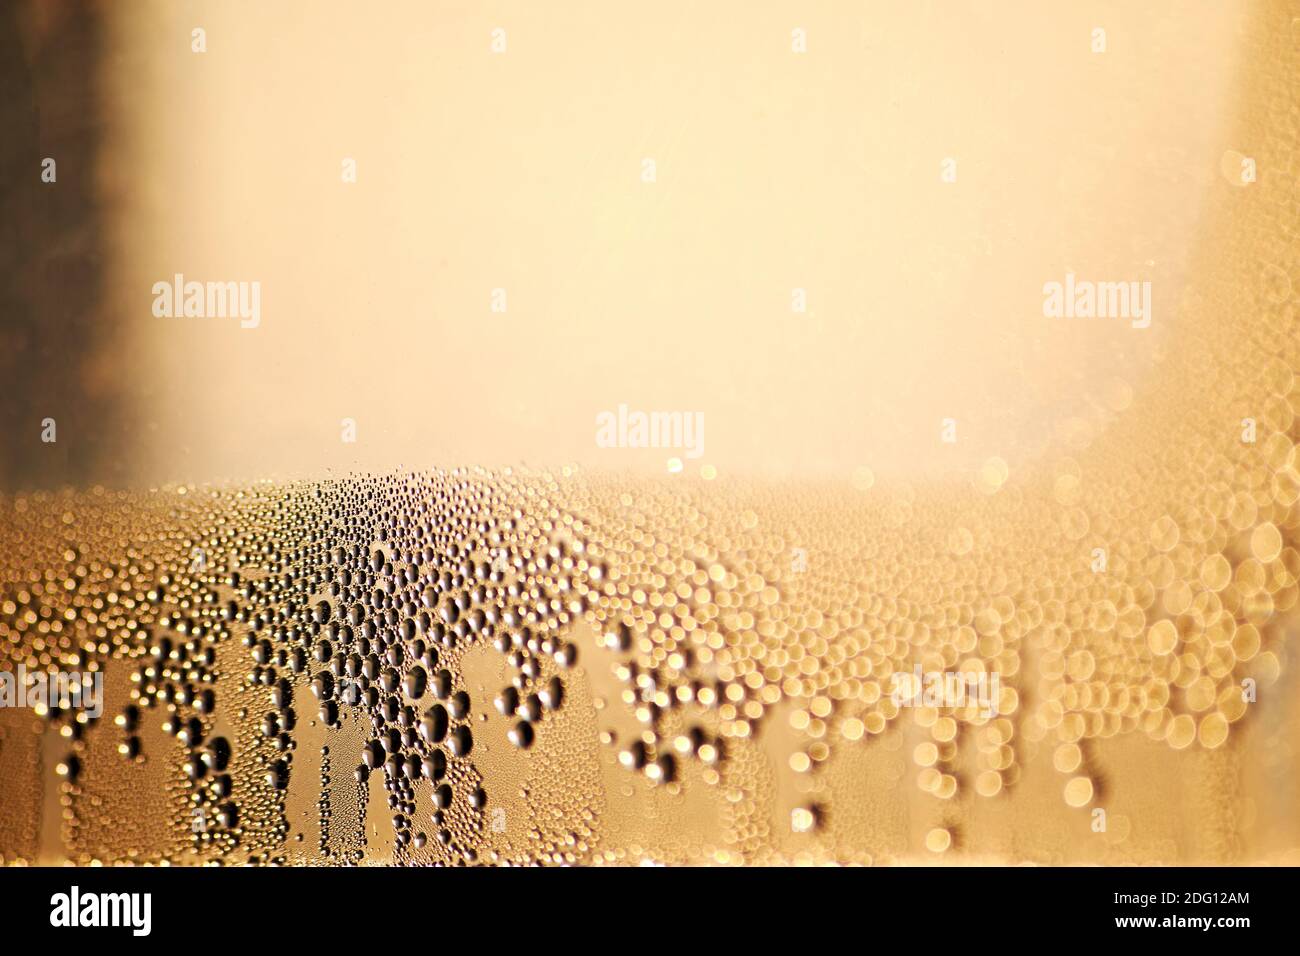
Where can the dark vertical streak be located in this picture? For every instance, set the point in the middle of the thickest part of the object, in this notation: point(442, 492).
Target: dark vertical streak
point(54, 336)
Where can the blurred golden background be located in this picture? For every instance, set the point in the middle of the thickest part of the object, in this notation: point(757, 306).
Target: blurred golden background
point(499, 151)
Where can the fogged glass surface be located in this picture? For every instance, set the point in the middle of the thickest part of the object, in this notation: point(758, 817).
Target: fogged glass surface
point(721, 435)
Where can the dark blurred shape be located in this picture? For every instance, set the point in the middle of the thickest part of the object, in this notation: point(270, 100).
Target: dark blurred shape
point(56, 343)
